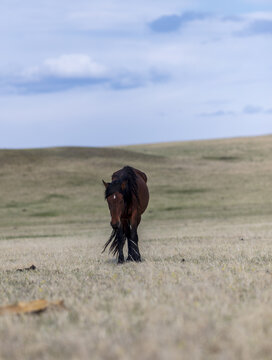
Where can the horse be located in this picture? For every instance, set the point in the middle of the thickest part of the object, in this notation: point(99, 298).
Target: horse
point(127, 196)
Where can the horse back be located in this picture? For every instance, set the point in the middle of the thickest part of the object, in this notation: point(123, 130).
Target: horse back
point(143, 193)
point(141, 174)
point(117, 174)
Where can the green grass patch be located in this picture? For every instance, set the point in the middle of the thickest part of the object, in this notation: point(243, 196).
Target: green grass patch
point(14, 237)
point(190, 191)
point(56, 196)
point(14, 205)
point(221, 158)
point(45, 214)
point(174, 208)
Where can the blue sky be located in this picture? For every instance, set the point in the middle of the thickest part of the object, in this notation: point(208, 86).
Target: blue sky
point(114, 72)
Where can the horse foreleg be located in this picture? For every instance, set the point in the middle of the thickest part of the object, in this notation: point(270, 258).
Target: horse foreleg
point(121, 243)
point(133, 248)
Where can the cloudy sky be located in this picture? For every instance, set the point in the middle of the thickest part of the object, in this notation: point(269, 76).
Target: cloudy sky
point(109, 72)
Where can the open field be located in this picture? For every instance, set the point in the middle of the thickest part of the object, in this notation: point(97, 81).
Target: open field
point(204, 289)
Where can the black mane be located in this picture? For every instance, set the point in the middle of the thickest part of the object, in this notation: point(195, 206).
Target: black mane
point(128, 178)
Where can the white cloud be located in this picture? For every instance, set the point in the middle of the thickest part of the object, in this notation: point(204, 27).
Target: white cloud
point(67, 66)
point(79, 70)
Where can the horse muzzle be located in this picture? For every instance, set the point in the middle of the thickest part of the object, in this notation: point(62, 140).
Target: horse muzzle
point(116, 225)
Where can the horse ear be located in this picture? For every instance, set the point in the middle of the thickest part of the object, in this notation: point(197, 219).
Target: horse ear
point(105, 184)
point(123, 185)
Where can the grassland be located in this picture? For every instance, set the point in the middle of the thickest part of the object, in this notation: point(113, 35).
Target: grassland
point(204, 289)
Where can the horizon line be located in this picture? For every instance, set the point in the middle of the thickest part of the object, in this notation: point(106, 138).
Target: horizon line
point(137, 144)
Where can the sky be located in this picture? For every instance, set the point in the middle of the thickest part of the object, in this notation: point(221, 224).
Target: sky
point(119, 72)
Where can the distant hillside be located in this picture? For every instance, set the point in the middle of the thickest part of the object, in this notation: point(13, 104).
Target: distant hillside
point(188, 180)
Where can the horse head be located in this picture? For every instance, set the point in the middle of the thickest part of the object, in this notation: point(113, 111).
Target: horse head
point(115, 198)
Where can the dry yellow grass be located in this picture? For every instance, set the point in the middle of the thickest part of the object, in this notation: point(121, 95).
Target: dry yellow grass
point(210, 206)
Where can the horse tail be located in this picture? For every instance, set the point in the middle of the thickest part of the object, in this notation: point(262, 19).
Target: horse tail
point(114, 241)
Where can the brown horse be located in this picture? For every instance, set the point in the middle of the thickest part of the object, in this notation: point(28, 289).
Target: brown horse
point(127, 196)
